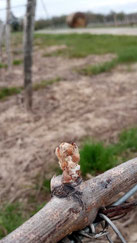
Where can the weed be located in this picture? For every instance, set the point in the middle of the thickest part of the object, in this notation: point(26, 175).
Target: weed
point(17, 62)
point(38, 207)
point(5, 91)
point(46, 185)
point(10, 218)
point(45, 83)
point(129, 55)
point(128, 140)
point(2, 65)
point(95, 158)
point(99, 68)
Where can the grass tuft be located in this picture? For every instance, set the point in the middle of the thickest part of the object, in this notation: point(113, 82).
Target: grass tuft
point(46, 185)
point(17, 62)
point(128, 140)
point(5, 91)
point(45, 83)
point(99, 68)
point(96, 158)
point(2, 65)
point(10, 218)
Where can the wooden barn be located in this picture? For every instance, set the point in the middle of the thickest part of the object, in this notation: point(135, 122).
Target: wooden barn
point(76, 20)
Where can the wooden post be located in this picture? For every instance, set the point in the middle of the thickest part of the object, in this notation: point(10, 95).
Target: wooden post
point(1, 39)
point(8, 35)
point(115, 18)
point(28, 42)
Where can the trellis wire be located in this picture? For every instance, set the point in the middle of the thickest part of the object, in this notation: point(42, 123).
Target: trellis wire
point(16, 6)
point(126, 196)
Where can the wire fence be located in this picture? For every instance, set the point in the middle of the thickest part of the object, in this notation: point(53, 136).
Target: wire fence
point(13, 7)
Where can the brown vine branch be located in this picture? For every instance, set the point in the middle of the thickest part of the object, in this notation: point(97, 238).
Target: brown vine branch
point(113, 211)
point(65, 214)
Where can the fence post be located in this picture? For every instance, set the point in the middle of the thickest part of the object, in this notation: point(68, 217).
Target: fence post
point(1, 39)
point(28, 43)
point(8, 35)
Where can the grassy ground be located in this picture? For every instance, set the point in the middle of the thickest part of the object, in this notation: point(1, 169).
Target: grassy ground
point(82, 45)
point(96, 157)
point(9, 91)
point(99, 68)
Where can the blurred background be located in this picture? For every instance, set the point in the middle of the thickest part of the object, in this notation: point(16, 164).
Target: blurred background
point(53, 14)
point(68, 72)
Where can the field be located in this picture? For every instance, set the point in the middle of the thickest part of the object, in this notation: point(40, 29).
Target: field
point(85, 89)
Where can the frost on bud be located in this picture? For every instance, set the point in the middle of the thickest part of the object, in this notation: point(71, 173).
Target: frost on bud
point(69, 157)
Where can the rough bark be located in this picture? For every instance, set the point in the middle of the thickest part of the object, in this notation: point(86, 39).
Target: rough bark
point(28, 42)
point(61, 216)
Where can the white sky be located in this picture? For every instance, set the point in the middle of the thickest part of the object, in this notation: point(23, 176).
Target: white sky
point(59, 7)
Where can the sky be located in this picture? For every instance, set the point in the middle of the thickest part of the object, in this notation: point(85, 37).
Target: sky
point(52, 8)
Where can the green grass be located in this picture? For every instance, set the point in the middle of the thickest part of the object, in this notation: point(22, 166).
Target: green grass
point(15, 214)
point(16, 39)
point(46, 185)
point(2, 65)
point(11, 217)
point(6, 92)
point(45, 83)
point(38, 207)
point(128, 140)
point(82, 45)
point(99, 68)
point(17, 62)
point(97, 157)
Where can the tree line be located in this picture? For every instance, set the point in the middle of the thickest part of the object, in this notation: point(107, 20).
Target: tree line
point(111, 18)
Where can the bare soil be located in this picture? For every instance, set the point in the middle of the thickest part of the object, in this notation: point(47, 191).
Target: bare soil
point(77, 106)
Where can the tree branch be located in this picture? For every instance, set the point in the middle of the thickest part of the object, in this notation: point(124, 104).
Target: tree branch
point(61, 216)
